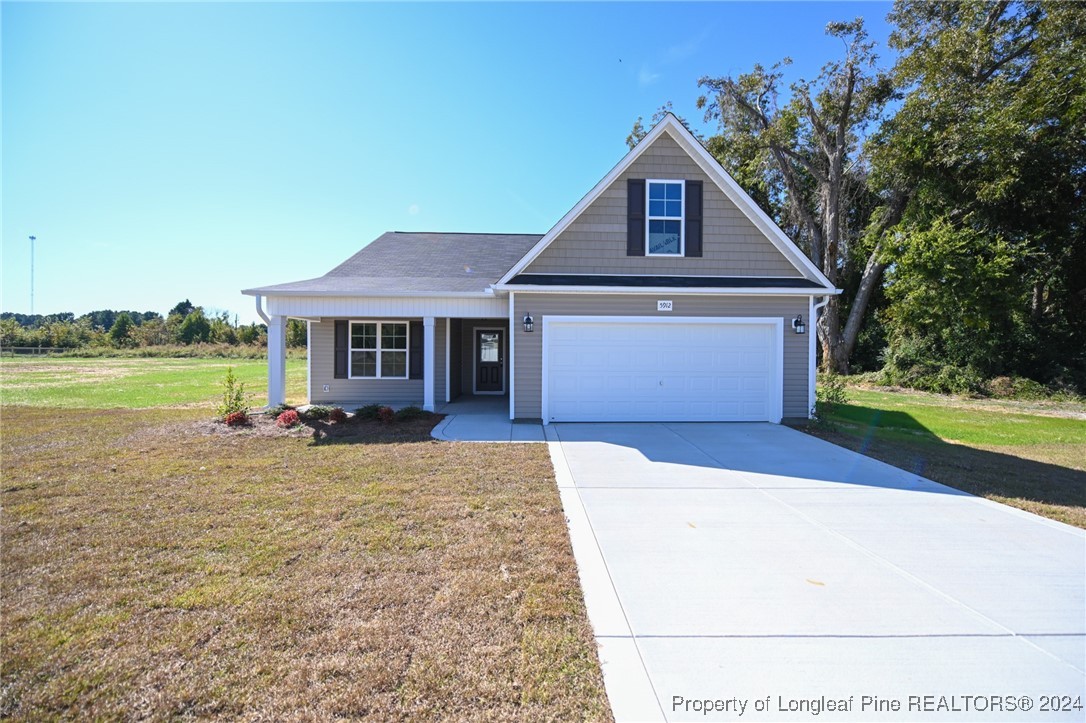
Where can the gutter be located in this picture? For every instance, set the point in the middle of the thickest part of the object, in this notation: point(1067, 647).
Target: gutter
point(260, 310)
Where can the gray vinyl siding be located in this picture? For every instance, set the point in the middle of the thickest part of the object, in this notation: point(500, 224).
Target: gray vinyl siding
point(596, 242)
point(529, 347)
point(356, 392)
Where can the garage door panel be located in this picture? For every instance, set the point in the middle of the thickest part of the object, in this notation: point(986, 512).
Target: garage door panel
point(660, 371)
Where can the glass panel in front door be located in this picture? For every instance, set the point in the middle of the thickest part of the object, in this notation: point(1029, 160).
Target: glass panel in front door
point(488, 346)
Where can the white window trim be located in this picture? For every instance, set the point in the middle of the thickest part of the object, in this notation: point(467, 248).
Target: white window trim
point(681, 219)
point(351, 348)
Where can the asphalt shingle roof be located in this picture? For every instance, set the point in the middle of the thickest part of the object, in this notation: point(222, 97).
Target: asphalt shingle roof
point(419, 262)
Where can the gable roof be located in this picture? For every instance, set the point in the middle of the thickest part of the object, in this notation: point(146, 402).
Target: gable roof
point(672, 126)
point(407, 263)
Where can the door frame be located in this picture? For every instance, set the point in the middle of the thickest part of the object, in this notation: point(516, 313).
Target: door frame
point(777, 322)
point(475, 357)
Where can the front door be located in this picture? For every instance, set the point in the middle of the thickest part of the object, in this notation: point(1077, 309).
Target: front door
point(489, 361)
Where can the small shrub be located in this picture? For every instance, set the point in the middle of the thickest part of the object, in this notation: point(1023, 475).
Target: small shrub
point(233, 395)
point(316, 412)
point(279, 409)
point(368, 412)
point(288, 419)
point(337, 416)
point(408, 413)
point(830, 393)
point(237, 419)
point(385, 414)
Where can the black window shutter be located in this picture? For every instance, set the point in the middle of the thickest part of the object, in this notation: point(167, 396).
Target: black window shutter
point(693, 218)
point(635, 217)
point(414, 363)
point(341, 349)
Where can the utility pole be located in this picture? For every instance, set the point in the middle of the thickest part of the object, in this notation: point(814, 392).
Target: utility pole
point(32, 239)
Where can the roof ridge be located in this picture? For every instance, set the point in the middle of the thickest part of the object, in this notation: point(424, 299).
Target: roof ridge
point(465, 233)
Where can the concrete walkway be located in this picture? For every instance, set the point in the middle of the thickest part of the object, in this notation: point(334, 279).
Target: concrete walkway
point(732, 566)
point(483, 419)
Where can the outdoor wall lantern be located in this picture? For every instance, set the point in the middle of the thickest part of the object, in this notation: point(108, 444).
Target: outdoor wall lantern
point(798, 324)
point(529, 323)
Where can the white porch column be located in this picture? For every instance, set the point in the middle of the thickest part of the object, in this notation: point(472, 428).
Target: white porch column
point(277, 360)
point(428, 364)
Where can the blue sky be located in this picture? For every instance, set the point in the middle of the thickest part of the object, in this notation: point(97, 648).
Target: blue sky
point(161, 151)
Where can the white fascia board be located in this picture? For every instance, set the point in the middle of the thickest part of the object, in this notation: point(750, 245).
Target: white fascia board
point(586, 201)
point(705, 290)
point(488, 294)
point(714, 170)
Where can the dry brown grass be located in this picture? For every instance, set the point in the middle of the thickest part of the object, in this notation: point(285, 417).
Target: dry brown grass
point(1046, 480)
point(166, 575)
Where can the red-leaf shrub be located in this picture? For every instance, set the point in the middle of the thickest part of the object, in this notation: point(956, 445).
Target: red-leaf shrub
point(288, 418)
point(385, 414)
point(337, 415)
point(236, 419)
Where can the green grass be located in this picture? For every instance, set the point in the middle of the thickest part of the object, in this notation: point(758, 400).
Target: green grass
point(904, 416)
point(1030, 458)
point(104, 383)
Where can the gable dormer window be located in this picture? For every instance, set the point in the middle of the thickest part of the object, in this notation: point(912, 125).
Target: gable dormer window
point(664, 220)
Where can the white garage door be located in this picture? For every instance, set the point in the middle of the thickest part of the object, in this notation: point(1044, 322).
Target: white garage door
point(619, 369)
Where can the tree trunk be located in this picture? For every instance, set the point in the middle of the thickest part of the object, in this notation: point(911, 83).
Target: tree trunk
point(1037, 305)
point(858, 311)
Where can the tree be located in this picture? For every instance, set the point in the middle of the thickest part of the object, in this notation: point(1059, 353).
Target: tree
point(811, 141)
point(120, 332)
point(182, 308)
point(989, 135)
point(296, 333)
point(194, 328)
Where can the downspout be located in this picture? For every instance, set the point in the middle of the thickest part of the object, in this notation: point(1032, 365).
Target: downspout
point(812, 341)
point(260, 311)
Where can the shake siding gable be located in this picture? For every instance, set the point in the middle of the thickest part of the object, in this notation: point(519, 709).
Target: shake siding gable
point(596, 243)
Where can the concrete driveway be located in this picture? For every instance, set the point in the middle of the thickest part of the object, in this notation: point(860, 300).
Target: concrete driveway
point(763, 574)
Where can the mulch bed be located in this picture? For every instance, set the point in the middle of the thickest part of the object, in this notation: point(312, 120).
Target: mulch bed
point(353, 429)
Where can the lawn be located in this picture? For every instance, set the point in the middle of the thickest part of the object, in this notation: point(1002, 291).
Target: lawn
point(104, 383)
point(1029, 455)
point(151, 569)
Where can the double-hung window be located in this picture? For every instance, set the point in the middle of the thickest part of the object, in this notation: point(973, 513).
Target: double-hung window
point(665, 218)
point(378, 350)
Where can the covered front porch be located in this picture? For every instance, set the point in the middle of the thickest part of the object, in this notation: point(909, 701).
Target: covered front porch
point(371, 358)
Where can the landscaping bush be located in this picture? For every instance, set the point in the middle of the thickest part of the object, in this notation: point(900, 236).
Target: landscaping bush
point(368, 412)
point(337, 415)
point(316, 412)
point(408, 413)
point(830, 393)
point(288, 419)
point(279, 409)
point(385, 414)
point(233, 395)
point(237, 419)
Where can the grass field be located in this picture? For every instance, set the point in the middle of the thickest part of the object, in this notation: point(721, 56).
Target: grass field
point(154, 570)
point(135, 383)
point(1029, 455)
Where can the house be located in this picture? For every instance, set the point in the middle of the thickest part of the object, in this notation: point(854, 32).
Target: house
point(665, 294)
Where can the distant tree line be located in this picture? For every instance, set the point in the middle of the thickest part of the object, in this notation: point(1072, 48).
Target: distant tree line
point(185, 324)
